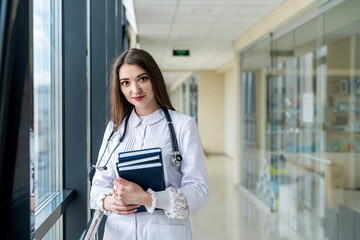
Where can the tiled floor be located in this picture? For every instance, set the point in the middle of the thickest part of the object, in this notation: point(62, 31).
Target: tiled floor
point(230, 214)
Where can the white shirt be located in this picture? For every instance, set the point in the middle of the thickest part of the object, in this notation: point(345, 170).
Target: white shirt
point(189, 180)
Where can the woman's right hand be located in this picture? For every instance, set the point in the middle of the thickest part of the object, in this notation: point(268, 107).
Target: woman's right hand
point(116, 206)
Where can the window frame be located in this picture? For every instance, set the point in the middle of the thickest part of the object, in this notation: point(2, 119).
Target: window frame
point(15, 54)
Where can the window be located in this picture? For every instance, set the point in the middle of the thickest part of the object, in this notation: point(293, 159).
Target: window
point(46, 105)
point(183, 96)
point(193, 96)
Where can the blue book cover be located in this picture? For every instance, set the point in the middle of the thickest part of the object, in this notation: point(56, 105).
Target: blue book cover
point(143, 167)
point(126, 156)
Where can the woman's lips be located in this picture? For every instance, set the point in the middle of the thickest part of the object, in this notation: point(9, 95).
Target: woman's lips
point(138, 98)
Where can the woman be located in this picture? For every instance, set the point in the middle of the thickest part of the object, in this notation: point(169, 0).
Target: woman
point(138, 92)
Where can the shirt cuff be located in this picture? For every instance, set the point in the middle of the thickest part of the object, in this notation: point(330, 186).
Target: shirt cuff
point(151, 209)
point(100, 201)
point(173, 202)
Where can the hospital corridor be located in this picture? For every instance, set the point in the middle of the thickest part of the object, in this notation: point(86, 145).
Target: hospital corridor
point(231, 213)
point(180, 119)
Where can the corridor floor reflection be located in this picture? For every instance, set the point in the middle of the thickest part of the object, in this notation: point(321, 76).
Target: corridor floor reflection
point(230, 215)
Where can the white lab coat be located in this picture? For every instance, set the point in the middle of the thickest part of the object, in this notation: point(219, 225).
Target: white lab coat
point(190, 178)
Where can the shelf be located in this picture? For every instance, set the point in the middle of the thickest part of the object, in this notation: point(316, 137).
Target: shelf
point(352, 200)
point(343, 72)
point(295, 132)
point(354, 73)
point(287, 129)
point(279, 132)
point(342, 132)
point(329, 72)
point(343, 113)
point(343, 95)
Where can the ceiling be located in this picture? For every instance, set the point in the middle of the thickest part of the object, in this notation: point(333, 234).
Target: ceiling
point(207, 28)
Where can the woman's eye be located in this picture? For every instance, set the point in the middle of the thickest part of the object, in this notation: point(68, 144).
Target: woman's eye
point(142, 79)
point(124, 83)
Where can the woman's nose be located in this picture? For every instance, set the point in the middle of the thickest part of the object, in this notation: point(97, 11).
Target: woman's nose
point(136, 88)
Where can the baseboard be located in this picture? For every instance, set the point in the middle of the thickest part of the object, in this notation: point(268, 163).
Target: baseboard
point(207, 154)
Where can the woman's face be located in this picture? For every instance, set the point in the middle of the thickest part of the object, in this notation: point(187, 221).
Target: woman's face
point(136, 86)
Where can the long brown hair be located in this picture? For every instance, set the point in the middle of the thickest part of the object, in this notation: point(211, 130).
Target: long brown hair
point(120, 107)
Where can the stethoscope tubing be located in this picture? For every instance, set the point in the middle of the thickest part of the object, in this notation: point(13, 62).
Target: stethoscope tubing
point(121, 138)
point(172, 131)
point(175, 159)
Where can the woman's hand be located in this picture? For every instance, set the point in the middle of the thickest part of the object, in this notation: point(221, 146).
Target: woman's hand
point(114, 205)
point(129, 193)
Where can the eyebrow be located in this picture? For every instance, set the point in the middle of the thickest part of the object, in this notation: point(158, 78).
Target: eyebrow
point(136, 76)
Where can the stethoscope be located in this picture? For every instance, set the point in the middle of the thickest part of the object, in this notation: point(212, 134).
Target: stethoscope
point(175, 159)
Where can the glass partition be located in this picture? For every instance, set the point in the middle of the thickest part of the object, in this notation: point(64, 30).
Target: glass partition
point(184, 96)
point(256, 176)
point(309, 169)
point(341, 122)
point(193, 96)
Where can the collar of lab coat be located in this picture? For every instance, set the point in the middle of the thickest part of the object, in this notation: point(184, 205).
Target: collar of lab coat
point(156, 116)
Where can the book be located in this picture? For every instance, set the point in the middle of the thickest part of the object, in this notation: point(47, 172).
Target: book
point(133, 167)
point(143, 167)
point(142, 160)
point(122, 156)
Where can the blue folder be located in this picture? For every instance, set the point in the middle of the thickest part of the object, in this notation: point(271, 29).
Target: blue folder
point(143, 167)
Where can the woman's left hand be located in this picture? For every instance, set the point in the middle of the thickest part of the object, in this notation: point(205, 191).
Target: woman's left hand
point(130, 193)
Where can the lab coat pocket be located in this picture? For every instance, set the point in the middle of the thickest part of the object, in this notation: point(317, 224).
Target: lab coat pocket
point(111, 231)
point(167, 232)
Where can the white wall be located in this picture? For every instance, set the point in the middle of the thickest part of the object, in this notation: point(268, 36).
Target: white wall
point(232, 114)
point(231, 108)
point(210, 108)
point(284, 13)
point(211, 111)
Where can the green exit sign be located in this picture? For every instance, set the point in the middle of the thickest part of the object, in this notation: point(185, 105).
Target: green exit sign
point(181, 52)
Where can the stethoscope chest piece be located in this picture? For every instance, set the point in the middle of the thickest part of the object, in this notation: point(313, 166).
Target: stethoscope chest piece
point(175, 159)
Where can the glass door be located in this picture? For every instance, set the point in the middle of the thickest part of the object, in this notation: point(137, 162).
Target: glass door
point(283, 129)
point(303, 160)
point(339, 64)
point(296, 165)
point(256, 170)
